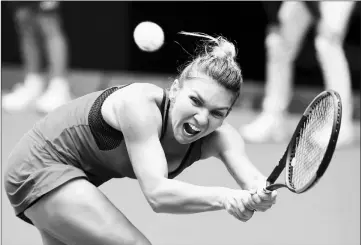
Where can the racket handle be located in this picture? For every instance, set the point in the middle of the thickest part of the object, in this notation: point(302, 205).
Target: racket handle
point(268, 189)
point(273, 187)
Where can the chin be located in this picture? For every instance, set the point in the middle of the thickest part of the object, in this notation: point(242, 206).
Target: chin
point(181, 140)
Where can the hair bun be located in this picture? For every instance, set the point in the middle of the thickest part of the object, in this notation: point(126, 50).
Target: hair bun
point(220, 47)
point(224, 49)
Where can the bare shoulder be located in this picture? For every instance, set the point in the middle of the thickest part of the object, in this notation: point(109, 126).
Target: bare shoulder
point(221, 140)
point(134, 91)
point(136, 103)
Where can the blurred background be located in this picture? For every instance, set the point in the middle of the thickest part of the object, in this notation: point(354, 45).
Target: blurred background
point(100, 38)
point(88, 46)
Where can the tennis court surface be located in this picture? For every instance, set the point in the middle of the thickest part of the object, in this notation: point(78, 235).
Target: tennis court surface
point(328, 214)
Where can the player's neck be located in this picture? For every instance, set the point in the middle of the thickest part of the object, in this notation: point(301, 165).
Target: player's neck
point(169, 141)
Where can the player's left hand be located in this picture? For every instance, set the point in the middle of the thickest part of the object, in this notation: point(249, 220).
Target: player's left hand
point(261, 200)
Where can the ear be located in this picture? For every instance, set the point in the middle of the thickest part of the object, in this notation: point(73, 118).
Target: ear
point(174, 89)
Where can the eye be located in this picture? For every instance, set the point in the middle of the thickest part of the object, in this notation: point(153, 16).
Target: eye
point(217, 114)
point(195, 101)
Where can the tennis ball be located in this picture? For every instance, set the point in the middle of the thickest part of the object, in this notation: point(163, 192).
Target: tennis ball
point(148, 36)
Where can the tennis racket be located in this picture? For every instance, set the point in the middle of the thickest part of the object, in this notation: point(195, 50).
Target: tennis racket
point(312, 145)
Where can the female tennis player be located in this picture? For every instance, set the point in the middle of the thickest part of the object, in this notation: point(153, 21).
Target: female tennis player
point(137, 131)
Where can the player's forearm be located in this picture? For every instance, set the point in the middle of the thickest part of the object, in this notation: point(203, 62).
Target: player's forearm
point(173, 196)
point(247, 175)
point(254, 180)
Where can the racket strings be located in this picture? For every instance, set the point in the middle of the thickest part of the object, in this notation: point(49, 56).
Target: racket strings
point(311, 143)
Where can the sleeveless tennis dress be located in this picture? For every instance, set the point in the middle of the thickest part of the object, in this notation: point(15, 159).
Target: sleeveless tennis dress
point(72, 142)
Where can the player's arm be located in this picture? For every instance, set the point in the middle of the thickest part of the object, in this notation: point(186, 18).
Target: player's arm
point(227, 145)
point(138, 121)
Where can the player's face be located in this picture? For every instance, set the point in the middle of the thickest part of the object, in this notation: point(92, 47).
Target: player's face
point(200, 106)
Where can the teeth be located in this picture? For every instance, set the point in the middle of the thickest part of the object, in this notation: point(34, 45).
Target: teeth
point(194, 127)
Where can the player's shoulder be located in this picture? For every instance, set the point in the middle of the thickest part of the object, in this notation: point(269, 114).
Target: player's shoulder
point(135, 103)
point(139, 92)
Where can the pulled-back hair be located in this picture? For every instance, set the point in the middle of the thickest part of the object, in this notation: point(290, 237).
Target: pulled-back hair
point(216, 60)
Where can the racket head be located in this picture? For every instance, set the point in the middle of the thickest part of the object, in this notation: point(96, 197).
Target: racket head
point(313, 143)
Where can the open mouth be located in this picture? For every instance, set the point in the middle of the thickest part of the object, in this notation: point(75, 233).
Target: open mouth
point(190, 129)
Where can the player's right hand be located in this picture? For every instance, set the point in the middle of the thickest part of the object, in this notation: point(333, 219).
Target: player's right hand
point(235, 202)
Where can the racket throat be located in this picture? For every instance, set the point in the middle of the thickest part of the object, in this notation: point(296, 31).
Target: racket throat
point(277, 170)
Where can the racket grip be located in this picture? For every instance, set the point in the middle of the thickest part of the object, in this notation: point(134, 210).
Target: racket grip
point(268, 189)
point(265, 190)
point(273, 187)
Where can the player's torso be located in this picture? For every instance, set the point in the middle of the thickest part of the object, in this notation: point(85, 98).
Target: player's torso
point(77, 134)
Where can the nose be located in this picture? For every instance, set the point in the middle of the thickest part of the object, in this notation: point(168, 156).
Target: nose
point(202, 117)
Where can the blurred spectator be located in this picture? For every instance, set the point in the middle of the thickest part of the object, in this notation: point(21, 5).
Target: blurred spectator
point(283, 43)
point(39, 28)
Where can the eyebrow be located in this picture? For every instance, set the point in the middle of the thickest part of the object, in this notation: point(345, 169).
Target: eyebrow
point(202, 100)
